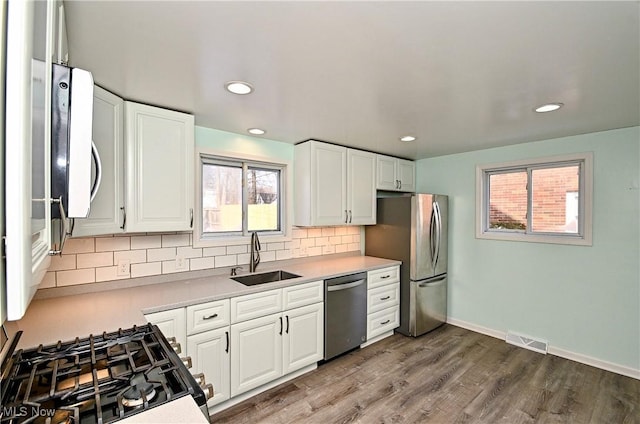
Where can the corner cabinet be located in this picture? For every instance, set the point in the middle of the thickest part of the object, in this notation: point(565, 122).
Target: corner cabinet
point(395, 174)
point(334, 185)
point(159, 171)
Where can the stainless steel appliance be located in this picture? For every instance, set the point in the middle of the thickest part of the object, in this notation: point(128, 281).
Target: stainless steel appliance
point(413, 229)
point(99, 379)
point(345, 313)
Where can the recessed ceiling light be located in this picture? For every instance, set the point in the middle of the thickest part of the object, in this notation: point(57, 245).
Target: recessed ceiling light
point(239, 87)
point(407, 138)
point(549, 107)
point(256, 131)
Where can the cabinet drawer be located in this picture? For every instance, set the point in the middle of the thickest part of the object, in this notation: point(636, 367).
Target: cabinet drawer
point(303, 294)
point(207, 316)
point(383, 297)
point(255, 305)
point(382, 321)
point(380, 277)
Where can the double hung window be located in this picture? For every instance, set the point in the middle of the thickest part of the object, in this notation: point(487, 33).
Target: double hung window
point(545, 201)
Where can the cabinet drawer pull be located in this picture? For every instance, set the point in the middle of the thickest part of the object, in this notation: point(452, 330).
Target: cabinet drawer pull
point(385, 298)
point(227, 334)
point(384, 277)
point(209, 317)
point(385, 322)
point(287, 331)
point(281, 326)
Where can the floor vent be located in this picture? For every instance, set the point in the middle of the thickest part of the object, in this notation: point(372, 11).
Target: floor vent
point(526, 342)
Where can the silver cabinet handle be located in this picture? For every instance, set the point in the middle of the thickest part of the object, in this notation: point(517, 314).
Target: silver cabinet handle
point(385, 322)
point(209, 317)
point(385, 298)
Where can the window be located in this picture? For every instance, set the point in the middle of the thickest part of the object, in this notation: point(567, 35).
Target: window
point(547, 200)
point(239, 197)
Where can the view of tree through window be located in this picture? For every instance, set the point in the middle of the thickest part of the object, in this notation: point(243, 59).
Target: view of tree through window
point(224, 200)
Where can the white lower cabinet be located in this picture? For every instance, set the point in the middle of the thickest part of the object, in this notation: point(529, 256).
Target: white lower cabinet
point(383, 301)
point(266, 348)
point(303, 338)
point(209, 352)
point(172, 323)
point(256, 353)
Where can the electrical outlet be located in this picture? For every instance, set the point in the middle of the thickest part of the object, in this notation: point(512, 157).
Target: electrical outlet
point(181, 263)
point(124, 268)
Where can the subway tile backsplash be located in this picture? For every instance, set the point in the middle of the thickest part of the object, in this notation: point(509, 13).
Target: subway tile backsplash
point(95, 259)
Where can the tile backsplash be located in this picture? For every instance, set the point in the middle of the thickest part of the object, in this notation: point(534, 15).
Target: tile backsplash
point(95, 259)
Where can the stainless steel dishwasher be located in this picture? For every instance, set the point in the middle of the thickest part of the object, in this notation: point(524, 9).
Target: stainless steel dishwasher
point(345, 313)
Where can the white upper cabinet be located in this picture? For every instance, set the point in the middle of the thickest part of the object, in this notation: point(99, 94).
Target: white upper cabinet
point(159, 172)
point(333, 185)
point(107, 209)
point(395, 174)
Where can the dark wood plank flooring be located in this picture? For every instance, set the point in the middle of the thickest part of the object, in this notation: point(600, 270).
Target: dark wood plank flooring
point(450, 375)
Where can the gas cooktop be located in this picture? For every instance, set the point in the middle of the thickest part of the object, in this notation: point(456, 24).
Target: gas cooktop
point(98, 379)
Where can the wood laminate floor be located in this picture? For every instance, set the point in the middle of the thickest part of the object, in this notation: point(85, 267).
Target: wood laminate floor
point(450, 375)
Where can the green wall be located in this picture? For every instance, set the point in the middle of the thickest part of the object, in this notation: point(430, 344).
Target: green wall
point(229, 142)
point(585, 300)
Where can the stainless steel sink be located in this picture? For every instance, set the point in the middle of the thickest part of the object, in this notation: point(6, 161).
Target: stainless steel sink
point(265, 277)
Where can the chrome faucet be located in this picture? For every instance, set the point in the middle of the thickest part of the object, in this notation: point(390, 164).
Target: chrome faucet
point(235, 269)
point(254, 259)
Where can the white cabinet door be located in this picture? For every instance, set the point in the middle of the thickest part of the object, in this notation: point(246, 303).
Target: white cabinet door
point(172, 323)
point(329, 184)
point(395, 174)
point(386, 175)
point(303, 341)
point(407, 175)
point(361, 189)
point(256, 353)
point(159, 170)
point(209, 352)
point(107, 209)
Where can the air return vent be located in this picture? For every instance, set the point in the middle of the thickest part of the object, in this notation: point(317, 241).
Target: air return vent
point(527, 342)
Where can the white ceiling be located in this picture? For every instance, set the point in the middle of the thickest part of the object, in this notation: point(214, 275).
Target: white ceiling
point(460, 76)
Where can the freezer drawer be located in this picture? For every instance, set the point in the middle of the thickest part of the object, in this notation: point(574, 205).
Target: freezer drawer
point(428, 304)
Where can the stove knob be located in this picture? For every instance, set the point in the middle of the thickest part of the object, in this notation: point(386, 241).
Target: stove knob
point(187, 362)
point(208, 390)
point(199, 379)
point(174, 345)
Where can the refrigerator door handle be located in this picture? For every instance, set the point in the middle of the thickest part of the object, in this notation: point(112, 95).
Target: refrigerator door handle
point(432, 237)
point(438, 220)
point(432, 282)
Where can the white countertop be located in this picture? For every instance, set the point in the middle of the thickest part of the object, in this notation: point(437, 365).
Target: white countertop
point(63, 318)
point(182, 410)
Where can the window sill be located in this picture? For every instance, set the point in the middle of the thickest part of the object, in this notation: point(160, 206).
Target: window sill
point(238, 240)
point(536, 238)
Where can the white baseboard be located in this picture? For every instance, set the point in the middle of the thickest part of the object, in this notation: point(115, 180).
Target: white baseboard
point(377, 338)
point(583, 359)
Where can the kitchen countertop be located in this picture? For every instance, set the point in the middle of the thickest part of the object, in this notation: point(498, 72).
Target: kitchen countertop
point(63, 318)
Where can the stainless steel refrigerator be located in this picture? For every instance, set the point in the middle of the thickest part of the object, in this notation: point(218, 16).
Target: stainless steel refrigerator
point(413, 229)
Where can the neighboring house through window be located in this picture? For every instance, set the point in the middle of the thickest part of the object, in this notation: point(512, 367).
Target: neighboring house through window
point(545, 200)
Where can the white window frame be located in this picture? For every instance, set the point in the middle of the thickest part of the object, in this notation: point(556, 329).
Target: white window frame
point(204, 155)
point(584, 236)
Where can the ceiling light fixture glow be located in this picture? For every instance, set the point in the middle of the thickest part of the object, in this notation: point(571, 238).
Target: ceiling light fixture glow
point(407, 138)
point(238, 87)
point(256, 131)
point(549, 107)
